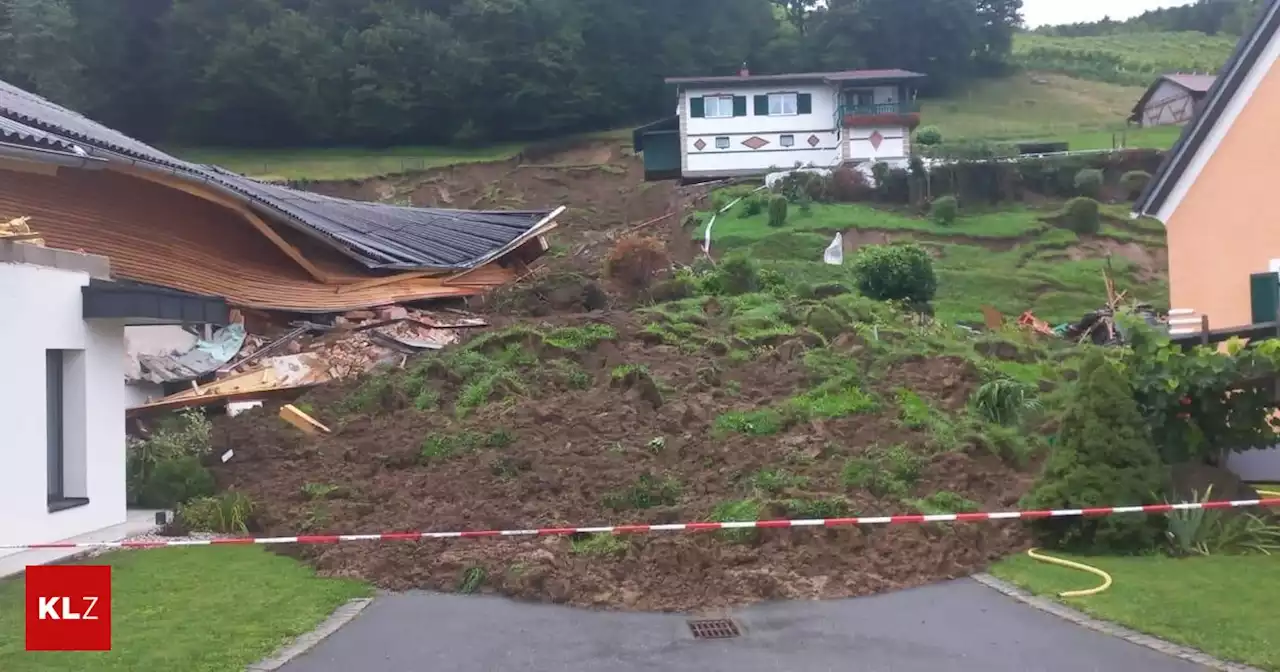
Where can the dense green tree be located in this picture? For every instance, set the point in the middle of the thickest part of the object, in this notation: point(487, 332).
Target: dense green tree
point(36, 38)
point(377, 72)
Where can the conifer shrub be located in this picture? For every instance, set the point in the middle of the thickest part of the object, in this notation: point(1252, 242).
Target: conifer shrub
point(1104, 457)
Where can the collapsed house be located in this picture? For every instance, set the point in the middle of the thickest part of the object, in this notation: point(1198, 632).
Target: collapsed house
point(201, 229)
point(298, 259)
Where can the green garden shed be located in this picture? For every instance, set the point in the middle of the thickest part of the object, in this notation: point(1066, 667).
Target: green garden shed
point(659, 142)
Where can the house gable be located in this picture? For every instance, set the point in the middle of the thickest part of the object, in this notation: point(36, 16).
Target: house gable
point(1211, 194)
point(1223, 105)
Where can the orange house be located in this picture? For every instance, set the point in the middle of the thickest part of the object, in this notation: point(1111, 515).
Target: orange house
point(1217, 191)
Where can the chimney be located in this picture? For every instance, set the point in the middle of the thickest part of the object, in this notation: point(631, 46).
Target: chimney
point(743, 71)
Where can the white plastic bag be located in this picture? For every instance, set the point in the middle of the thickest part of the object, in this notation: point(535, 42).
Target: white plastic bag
point(834, 254)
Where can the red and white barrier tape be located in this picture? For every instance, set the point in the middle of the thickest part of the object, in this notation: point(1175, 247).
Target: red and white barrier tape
point(675, 527)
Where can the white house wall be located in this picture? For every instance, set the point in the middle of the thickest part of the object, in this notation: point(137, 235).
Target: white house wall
point(738, 158)
point(44, 312)
point(1170, 104)
point(893, 143)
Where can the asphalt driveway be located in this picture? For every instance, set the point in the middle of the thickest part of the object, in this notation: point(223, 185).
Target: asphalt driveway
point(959, 626)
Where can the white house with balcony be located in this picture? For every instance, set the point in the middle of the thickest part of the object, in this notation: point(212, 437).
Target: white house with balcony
point(749, 124)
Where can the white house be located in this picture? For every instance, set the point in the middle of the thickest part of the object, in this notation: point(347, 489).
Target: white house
point(62, 391)
point(1171, 99)
point(748, 124)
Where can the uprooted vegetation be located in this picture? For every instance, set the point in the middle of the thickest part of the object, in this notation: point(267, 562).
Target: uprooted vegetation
point(750, 402)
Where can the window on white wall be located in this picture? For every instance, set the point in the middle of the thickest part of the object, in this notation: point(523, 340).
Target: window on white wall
point(65, 468)
point(722, 142)
point(787, 141)
point(781, 104)
point(53, 425)
point(717, 107)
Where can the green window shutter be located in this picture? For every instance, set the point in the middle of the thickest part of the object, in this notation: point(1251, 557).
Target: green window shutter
point(697, 107)
point(804, 103)
point(762, 106)
point(739, 106)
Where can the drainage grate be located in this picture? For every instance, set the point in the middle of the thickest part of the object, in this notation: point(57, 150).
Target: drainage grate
point(714, 628)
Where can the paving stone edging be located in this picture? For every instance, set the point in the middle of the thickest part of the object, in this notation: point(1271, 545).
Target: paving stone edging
point(340, 617)
point(1107, 628)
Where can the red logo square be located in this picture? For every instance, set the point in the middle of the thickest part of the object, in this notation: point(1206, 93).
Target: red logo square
point(68, 608)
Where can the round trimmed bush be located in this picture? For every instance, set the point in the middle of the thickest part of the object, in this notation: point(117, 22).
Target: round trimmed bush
point(896, 273)
point(929, 136)
point(1133, 182)
point(1088, 182)
point(1082, 216)
point(945, 210)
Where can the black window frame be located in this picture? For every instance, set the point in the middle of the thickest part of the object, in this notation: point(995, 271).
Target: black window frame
point(55, 362)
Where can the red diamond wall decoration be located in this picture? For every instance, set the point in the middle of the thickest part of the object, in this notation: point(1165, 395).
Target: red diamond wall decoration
point(876, 139)
point(700, 144)
point(813, 141)
point(755, 142)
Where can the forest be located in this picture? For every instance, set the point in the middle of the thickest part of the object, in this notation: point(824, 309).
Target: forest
point(1211, 17)
point(275, 73)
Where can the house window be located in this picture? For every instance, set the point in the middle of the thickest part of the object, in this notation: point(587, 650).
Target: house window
point(722, 142)
point(53, 425)
point(717, 107)
point(787, 141)
point(65, 468)
point(781, 104)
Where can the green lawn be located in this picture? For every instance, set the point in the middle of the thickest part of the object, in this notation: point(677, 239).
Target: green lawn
point(340, 163)
point(1157, 137)
point(1030, 106)
point(1010, 259)
point(1224, 605)
point(210, 609)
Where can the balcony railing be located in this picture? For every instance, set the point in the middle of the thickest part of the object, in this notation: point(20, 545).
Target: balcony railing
point(910, 107)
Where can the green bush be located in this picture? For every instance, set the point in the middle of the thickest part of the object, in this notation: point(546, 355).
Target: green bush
point(1088, 182)
point(1082, 215)
point(227, 513)
point(1133, 182)
point(945, 210)
point(751, 206)
point(175, 481)
point(1104, 457)
point(187, 433)
point(777, 211)
point(929, 136)
point(738, 274)
point(896, 273)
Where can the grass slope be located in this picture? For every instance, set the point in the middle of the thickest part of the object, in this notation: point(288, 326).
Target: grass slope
point(1010, 258)
point(356, 163)
point(214, 609)
point(341, 163)
point(1218, 604)
point(1038, 106)
point(1133, 59)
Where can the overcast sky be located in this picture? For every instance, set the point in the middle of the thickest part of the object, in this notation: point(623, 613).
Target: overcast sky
point(1040, 12)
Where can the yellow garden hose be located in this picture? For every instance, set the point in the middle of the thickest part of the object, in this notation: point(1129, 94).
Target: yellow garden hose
point(1106, 578)
point(1269, 493)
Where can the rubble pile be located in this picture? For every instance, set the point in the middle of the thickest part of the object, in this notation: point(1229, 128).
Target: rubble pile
point(274, 360)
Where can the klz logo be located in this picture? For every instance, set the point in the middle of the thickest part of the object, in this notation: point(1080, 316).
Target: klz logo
point(69, 608)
